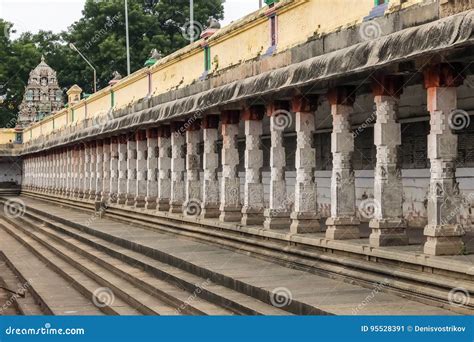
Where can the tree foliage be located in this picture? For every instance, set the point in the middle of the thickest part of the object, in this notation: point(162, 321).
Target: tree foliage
point(100, 36)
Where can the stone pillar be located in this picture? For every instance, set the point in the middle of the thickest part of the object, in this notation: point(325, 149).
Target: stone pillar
point(75, 171)
point(210, 185)
point(443, 231)
point(277, 215)
point(106, 171)
point(99, 171)
point(305, 216)
point(69, 172)
point(114, 169)
point(122, 185)
point(142, 171)
point(254, 204)
point(164, 168)
point(87, 170)
point(82, 171)
point(231, 208)
point(343, 223)
point(47, 172)
point(152, 167)
point(93, 169)
point(131, 170)
point(192, 204)
point(177, 168)
point(387, 222)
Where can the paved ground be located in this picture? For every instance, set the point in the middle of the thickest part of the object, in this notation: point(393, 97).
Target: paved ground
point(326, 294)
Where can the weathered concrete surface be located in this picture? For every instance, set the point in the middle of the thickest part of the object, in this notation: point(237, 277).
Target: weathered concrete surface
point(326, 294)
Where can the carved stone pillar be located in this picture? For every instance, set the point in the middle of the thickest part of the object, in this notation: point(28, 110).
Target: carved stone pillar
point(443, 231)
point(387, 222)
point(152, 167)
point(177, 195)
point(230, 184)
point(131, 170)
point(254, 204)
point(64, 171)
point(277, 215)
point(114, 170)
point(75, 171)
point(210, 186)
point(164, 168)
point(142, 171)
point(48, 172)
point(106, 170)
point(82, 173)
point(343, 223)
point(93, 169)
point(87, 170)
point(99, 171)
point(123, 169)
point(192, 204)
point(305, 216)
point(69, 172)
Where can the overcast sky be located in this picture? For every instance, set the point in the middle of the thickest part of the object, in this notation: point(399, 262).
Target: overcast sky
point(57, 15)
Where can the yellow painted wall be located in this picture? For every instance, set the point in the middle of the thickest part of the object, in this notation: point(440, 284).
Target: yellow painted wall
point(131, 92)
point(7, 136)
point(243, 40)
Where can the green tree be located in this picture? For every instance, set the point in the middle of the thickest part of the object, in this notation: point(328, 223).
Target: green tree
point(99, 35)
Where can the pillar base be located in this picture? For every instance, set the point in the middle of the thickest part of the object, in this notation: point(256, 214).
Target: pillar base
point(98, 197)
point(130, 201)
point(113, 198)
point(121, 199)
point(176, 208)
point(276, 219)
point(150, 203)
point(304, 223)
point(92, 195)
point(230, 215)
point(105, 197)
point(140, 202)
point(342, 228)
point(252, 216)
point(163, 205)
point(388, 232)
point(444, 239)
point(210, 211)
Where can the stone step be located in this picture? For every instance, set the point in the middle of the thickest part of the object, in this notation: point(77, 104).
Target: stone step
point(170, 248)
point(174, 295)
point(195, 286)
point(433, 289)
point(88, 285)
point(26, 302)
point(56, 294)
